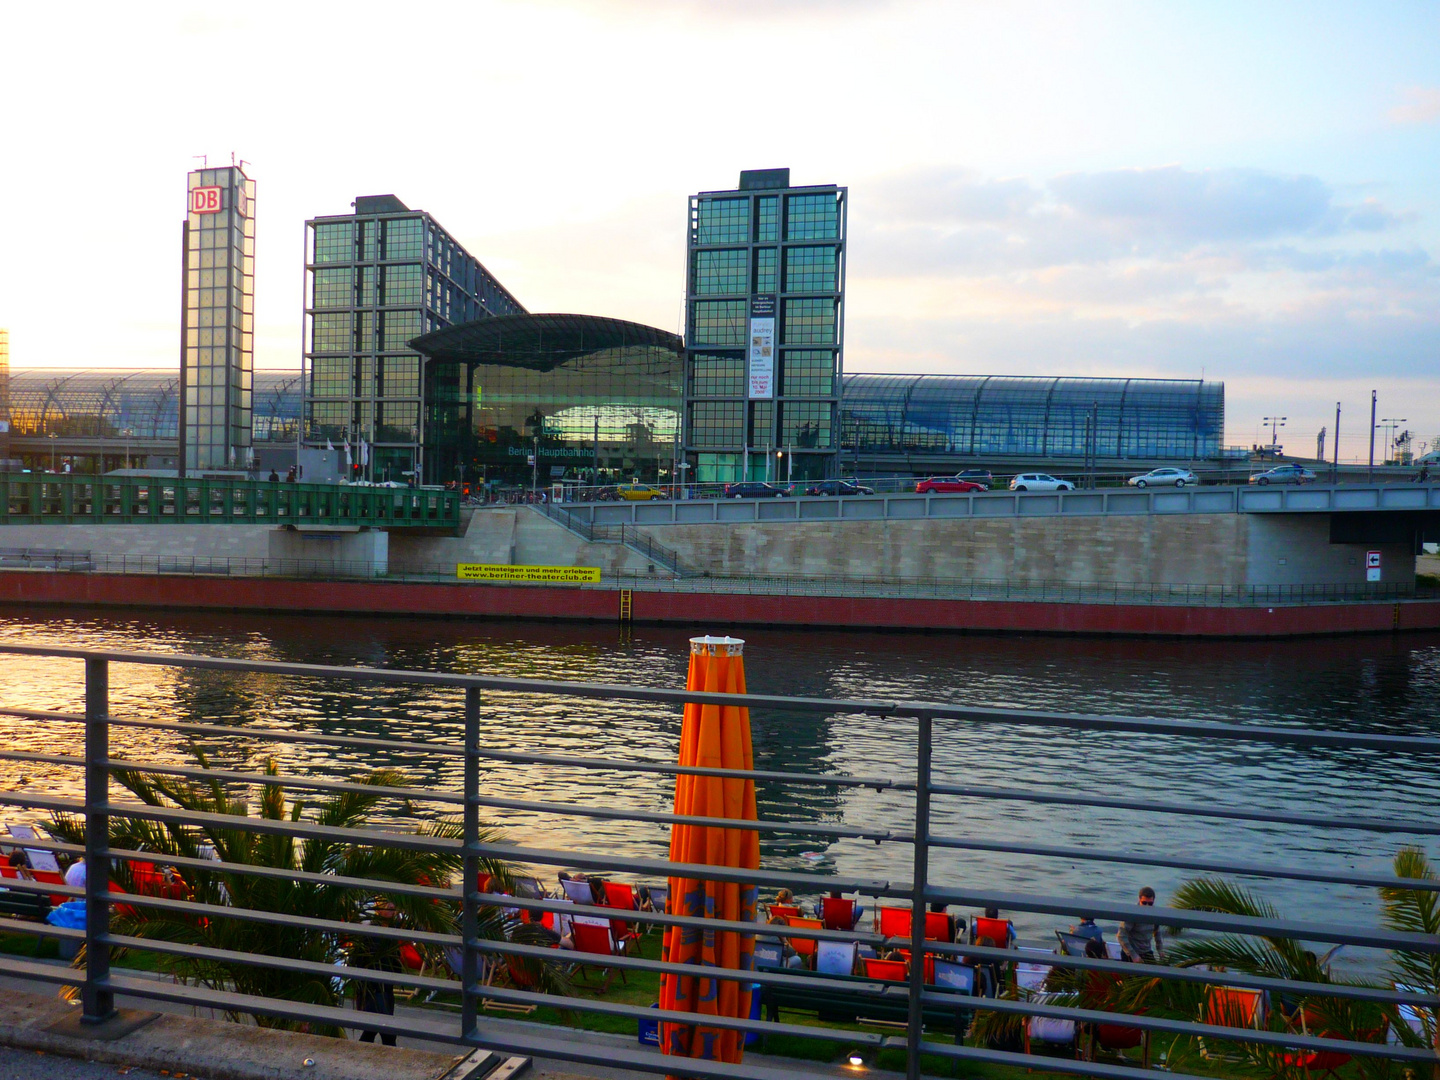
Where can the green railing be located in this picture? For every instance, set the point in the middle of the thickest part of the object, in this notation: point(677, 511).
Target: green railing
point(53, 499)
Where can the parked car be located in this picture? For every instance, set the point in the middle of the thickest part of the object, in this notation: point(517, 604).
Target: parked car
point(947, 484)
point(983, 477)
point(1039, 481)
point(1284, 474)
point(839, 487)
point(638, 492)
point(1164, 478)
point(753, 489)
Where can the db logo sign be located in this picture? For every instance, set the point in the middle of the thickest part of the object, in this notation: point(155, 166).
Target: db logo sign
point(205, 200)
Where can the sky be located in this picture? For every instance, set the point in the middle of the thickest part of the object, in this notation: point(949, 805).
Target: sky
point(1244, 192)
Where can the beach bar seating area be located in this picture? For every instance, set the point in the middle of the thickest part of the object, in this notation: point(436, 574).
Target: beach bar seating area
point(484, 903)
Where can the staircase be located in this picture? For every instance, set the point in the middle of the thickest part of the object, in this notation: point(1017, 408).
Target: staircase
point(626, 535)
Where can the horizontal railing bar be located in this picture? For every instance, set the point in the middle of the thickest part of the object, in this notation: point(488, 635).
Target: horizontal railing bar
point(1349, 991)
point(278, 963)
point(1210, 730)
point(506, 1040)
point(665, 869)
point(878, 783)
point(561, 907)
point(13, 925)
point(1374, 881)
point(564, 761)
point(281, 918)
point(867, 988)
point(566, 809)
point(1093, 1069)
point(42, 845)
point(1190, 1028)
point(30, 969)
point(1216, 922)
point(1186, 809)
point(870, 1039)
point(43, 887)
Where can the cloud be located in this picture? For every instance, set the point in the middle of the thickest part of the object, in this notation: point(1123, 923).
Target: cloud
point(1420, 105)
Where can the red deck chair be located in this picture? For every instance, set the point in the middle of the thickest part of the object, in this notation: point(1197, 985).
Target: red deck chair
point(938, 926)
point(50, 877)
point(805, 946)
point(593, 936)
point(929, 966)
point(1111, 1037)
point(1230, 1006)
point(837, 913)
point(621, 896)
point(893, 921)
point(785, 911)
point(889, 970)
point(1323, 1062)
point(997, 930)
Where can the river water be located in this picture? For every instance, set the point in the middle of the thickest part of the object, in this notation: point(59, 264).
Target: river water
point(1379, 684)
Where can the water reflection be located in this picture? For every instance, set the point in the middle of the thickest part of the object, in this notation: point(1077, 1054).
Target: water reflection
point(1387, 685)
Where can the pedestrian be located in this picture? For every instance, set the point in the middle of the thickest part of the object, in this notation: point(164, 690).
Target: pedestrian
point(1086, 928)
point(290, 476)
point(378, 954)
point(1140, 938)
point(274, 477)
point(75, 874)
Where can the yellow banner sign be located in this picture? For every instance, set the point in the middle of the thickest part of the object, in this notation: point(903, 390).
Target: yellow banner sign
point(548, 575)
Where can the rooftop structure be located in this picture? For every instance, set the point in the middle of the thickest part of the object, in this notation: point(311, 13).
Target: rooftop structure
point(764, 329)
point(374, 279)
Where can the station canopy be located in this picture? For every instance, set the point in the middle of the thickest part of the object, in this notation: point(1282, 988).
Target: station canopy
point(538, 342)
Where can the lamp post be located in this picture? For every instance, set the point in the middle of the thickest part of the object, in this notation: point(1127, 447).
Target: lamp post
point(1276, 423)
point(1390, 423)
point(1370, 475)
point(128, 433)
point(51, 436)
point(1335, 469)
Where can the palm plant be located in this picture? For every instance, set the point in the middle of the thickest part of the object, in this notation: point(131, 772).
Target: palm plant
point(312, 901)
point(1415, 911)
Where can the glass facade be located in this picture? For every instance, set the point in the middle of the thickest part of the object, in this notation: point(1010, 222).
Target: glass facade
point(375, 280)
point(4, 397)
point(951, 419)
point(590, 399)
point(217, 366)
point(773, 253)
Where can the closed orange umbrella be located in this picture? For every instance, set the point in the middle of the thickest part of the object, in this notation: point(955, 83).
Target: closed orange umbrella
point(712, 736)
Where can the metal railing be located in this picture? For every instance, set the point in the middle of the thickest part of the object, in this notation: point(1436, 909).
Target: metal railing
point(626, 535)
point(63, 499)
point(922, 1007)
point(687, 579)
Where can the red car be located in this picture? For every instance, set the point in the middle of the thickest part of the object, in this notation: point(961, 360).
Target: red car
point(946, 484)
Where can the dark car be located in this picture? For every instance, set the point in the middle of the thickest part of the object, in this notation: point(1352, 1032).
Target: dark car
point(838, 487)
point(983, 477)
point(947, 484)
point(1290, 473)
point(753, 489)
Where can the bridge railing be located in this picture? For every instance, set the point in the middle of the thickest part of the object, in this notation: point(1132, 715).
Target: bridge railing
point(55, 499)
point(488, 961)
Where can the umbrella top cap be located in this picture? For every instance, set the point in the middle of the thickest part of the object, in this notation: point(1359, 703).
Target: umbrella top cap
point(717, 646)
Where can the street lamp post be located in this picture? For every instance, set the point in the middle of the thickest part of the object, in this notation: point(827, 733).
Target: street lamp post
point(51, 436)
point(129, 433)
point(1370, 475)
point(1276, 423)
point(1390, 423)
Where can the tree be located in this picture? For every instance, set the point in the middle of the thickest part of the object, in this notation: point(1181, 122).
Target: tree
point(316, 901)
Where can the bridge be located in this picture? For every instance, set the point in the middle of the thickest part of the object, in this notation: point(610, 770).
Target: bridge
point(60, 499)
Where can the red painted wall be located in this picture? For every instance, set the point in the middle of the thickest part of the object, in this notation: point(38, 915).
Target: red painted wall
point(505, 601)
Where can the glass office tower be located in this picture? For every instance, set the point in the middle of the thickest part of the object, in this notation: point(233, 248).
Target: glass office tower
point(764, 330)
point(4, 398)
point(218, 331)
point(375, 279)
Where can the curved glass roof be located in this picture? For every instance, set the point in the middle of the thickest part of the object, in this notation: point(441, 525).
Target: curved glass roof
point(1016, 416)
point(541, 342)
point(106, 402)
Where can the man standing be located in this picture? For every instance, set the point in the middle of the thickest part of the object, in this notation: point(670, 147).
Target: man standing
point(1136, 937)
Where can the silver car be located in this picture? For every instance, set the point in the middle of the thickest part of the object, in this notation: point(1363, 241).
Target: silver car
point(1164, 478)
point(1284, 474)
point(1039, 482)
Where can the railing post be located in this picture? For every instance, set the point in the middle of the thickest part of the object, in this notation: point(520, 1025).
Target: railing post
point(470, 874)
point(914, 1032)
point(99, 1005)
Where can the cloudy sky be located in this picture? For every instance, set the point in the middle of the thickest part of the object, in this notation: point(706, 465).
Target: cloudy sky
point(1251, 191)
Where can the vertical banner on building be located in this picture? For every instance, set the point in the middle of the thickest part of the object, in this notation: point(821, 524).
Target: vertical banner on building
point(762, 347)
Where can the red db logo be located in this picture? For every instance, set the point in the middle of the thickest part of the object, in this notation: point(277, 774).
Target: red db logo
point(205, 200)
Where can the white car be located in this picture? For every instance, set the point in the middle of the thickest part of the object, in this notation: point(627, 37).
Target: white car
point(1039, 481)
point(1164, 478)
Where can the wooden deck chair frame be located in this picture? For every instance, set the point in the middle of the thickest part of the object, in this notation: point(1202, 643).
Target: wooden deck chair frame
point(1230, 1006)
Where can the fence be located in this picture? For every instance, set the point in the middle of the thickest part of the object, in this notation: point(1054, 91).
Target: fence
point(925, 1008)
point(62, 499)
point(687, 579)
